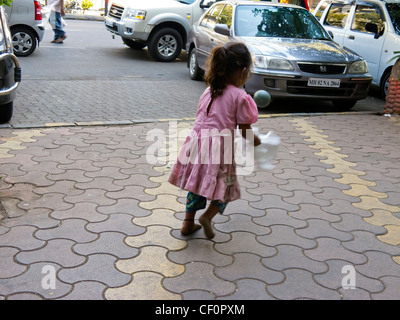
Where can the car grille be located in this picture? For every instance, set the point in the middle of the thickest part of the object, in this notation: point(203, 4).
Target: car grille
point(319, 68)
point(116, 11)
point(302, 88)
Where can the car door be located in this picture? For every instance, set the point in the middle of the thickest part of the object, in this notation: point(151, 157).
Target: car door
point(336, 20)
point(225, 17)
point(205, 33)
point(366, 43)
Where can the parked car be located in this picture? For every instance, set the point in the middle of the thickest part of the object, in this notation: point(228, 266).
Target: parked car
point(26, 25)
point(161, 25)
point(294, 57)
point(369, 27)
point(10, 71)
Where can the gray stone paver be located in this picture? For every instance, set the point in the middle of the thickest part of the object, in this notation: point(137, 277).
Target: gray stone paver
point(37, 108)
point(332, 278)
point(98, 267)
point(248, 265)
point(108, 242)
point(299, 284)
point(85, 202)
point(58, 251)
point(289, 257)
point(209, 282)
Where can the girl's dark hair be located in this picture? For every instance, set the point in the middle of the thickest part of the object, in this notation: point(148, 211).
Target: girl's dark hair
point(223, 63)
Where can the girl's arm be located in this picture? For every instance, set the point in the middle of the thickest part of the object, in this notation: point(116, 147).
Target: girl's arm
point(243, 128)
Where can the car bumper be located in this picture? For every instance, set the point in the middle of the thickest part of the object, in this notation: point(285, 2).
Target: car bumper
point(351, 87)
point(11, 79)
point(40, 29)
point(129, 29)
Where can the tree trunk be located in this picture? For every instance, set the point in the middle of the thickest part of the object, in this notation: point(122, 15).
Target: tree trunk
point(392, 105)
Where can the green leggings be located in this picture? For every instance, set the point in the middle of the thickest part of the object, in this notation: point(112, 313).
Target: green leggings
point(195, 202)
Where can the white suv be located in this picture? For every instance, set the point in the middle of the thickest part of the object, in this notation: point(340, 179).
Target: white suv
point(162, 25)
point(369, 27)
point(26, 25)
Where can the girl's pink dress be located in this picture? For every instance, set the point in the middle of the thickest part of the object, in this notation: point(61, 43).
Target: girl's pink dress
point(205, 163)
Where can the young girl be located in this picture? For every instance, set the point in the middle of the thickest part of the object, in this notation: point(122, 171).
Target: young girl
point(210, 174)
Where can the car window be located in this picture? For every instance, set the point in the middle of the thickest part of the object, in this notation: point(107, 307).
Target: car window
point(394, 13)
point(271, 21)
point(367, 14)
point(337, 15)
point(210, 19)
point(321, 9)
point(226, 15)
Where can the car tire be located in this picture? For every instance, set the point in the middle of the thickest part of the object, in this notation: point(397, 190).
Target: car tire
point(384, 87)
point(165, 45)
point(24, 41)
point(6, 112)
point(344, 105)
point(133, 44)
point(195, 72)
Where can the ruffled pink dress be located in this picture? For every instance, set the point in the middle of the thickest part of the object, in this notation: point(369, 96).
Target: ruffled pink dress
point(205, 164)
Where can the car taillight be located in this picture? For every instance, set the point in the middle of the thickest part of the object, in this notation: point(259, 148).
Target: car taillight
point(307, 6)
point(38, 11)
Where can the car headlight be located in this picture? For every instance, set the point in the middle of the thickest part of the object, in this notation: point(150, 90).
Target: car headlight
point(272, 63)
point(358, 67)
point(136, 14)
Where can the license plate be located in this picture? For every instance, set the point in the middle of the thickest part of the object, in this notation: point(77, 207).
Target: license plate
point(109, 23)
point(330, 83)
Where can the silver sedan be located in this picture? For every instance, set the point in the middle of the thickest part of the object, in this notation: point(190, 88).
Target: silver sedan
point(294, 57)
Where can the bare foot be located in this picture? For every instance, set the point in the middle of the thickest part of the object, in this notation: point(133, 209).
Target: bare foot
point(208, 230)
point(189, 227)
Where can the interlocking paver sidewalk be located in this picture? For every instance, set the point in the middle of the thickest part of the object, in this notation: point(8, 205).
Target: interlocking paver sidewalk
point(82, 206)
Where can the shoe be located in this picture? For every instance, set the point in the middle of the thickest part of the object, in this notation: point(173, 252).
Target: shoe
point(60, 39)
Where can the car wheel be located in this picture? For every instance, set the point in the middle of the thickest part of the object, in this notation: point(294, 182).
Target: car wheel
point(384, 88)
point(194, 70)
point(23, 41)
point(133, 44)
point(165, 45)
point(344, 105)
point(6, 112)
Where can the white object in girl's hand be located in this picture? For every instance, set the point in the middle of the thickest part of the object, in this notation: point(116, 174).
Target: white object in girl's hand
point(265, 153)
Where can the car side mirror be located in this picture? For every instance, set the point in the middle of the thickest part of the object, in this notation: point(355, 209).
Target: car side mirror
point(222, 29)
point(331, 34)
point(372, 27)
point(205, 4)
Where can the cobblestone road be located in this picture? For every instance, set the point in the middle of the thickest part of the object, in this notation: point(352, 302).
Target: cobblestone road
point(83, 203)
point(83, 215)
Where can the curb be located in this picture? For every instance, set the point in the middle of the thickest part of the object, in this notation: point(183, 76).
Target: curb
point(90, 17)
point(143, 121)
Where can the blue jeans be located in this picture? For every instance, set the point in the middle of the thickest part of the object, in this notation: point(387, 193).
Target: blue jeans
point(58, 31)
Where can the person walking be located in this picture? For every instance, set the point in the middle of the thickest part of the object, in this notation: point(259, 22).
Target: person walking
point(55, 20)
point(222, 108)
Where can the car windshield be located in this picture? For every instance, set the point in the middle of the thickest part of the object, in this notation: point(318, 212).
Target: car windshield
point(274, 21)
point(394, 12)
